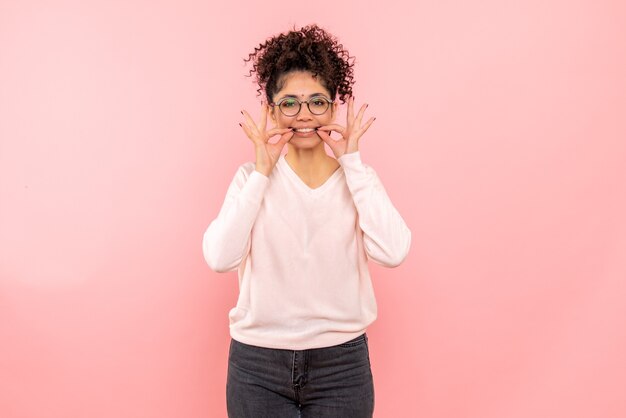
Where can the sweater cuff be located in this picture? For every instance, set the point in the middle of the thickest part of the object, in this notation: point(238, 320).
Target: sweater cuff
point(254, 188)
point(350, 160)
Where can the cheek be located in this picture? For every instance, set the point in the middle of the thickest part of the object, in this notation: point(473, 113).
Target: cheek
point(282, 121)
point(326, 119)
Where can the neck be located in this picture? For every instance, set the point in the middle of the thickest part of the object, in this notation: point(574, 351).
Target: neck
point(310, 162)
point(310, 158)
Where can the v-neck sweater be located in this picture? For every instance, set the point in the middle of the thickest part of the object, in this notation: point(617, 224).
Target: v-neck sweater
point(301, 253)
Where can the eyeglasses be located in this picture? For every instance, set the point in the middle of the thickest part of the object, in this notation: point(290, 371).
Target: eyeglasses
point(290, 106)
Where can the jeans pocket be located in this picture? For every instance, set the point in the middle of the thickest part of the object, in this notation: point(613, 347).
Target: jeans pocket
point(361, 339)
point(358, 347)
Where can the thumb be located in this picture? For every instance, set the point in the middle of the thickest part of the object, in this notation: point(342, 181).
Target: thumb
point(284, 138)
point(326, 138)
point(332, 144)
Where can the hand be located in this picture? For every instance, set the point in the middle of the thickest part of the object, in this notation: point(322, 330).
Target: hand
point(267, 154)
point(350, 135)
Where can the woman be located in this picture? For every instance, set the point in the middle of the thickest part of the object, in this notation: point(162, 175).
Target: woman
point(299, 228)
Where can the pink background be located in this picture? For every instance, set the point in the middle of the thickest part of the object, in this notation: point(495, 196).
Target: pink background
point(500, 137)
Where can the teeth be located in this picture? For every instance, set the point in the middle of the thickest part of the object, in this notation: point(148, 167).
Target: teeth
point(305, 130)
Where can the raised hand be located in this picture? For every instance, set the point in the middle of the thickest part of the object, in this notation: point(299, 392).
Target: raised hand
point(350, 134)
point(267, 154)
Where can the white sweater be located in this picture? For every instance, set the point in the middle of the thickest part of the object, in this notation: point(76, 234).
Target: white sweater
point(301, 253)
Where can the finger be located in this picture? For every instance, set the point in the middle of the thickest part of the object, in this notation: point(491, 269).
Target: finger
point(326, 136)
point(277, 131)
point(250, 122)
point(350, 115)
point(332, 143)
point(263, 121)
point(364, 128)
point(247, 132)
point(282, 135)
point(286, 137)
point(332, 127)
point(357, 122)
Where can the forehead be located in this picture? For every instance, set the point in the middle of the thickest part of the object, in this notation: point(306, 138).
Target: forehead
point(301, 84)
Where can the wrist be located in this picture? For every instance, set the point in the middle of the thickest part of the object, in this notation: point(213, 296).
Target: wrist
point(263, 171)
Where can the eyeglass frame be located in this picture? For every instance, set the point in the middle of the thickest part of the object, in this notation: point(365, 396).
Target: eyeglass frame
point(330, 102)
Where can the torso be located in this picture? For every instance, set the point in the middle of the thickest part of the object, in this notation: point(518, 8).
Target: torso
point(325, 172)
point(323, 177)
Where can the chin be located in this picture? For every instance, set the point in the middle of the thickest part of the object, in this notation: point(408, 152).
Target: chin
point(307, 143)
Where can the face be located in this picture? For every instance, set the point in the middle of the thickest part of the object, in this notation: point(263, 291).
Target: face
point(302, 85)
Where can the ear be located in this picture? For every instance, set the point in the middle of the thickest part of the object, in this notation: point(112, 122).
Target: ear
point(334, 109)
point(270, 111)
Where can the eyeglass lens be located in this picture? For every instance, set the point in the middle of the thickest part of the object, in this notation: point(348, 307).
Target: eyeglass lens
point(291, 107)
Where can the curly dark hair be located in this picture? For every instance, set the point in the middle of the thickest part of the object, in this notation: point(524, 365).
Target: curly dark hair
point(309, 49)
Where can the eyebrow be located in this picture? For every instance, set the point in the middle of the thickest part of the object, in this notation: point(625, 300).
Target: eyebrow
point(295, 96)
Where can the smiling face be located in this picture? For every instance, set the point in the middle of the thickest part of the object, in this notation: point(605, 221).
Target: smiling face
point(302, 86)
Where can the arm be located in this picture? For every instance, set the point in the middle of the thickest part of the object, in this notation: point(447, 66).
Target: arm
point(225, 242)
point(386, 237)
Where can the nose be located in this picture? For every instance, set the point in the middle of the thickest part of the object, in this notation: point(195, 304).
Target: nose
point(305, 113)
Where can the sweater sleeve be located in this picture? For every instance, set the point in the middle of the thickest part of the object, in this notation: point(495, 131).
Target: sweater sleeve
point(386, 236)
point(226, 240)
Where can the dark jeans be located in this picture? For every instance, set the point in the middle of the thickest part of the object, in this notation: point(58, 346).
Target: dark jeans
point(321, 383)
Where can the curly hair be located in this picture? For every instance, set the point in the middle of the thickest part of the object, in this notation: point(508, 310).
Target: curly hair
point(309, 49)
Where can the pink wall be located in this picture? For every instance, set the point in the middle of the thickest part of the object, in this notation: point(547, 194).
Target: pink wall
point(500, 137)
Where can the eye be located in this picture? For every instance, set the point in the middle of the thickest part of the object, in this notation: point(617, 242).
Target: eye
point(318, 102)
point(288, 103)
